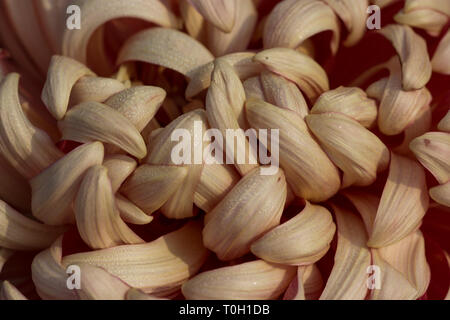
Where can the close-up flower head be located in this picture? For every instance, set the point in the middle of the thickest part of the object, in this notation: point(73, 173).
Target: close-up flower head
point(224, 150)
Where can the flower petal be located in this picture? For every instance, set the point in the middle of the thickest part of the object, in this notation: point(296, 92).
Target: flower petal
point(96, 13)
point(165, 47)
point(150, 186)
point(98, 220)
point(255, 280)
point(28, 149)
point(54, 190)
point(94, 121)
point(403, 203)
point(255, 204)
point(158, 267)
point(62, 75)
point(348, 278)
point(221, 13)
point(19, 232)
point(291, 22)
point(297, 67)
point(302, 240)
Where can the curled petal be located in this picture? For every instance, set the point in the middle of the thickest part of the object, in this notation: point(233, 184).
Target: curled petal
point(359, 153)
point(315, 180)
point(28, 149)
point(98, 220)
point(441, 194)
point(119, 168)
point(221, 13)
point(62, 75)
point(130, 213)
point(438, 5)
point(412, 50)
point(403, 203)
point(19, 232)
point(54, 190)
point(348, 278)
point(302, 240)
point(308, 284)
point(283, 93)
point(433, 151)
point(193, 21)
point(297, 67)
point(399, 108)
point(138, 104)
point(158, 267)
point(167, 48)
point(96, 13)
point(255, 205)
point(253, 88)
point(255, 280)
point(353, 14)
point(215, 182)
point(49, 276)
point(393, 285)
point(150, 186)
point(352, 102)
point(97, 89)
point(408, 257)
point(442, 56)
point(94, 121)
point(428, 19)
point(291, 22)
point(180, 204)
point(239, 37)
point(224, 109)
point(98, 284)
point(242, 62)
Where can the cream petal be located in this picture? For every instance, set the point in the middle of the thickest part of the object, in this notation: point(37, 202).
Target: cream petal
point(408, 257)
point(28, 149)
point(150, 186)
point(255, 280)
point(255, 204)
point(62, 75)
point(297, 67)
point(403, 203)
point(97, 89)
point(315, 181)
point(221, 13)
point(352, 102)
point(97, 216)
point(302, 240)
point(157, 267)
point(49, 276)
point(119, 168)
point(348, 278)
point(96, 13)
point(358, 152)
point(221, 43)
point(167, 48)
point(433, 151)
point(412, 50)
point(19, 232)
point(291, 22)
point(54, 190)
point(94, 121)
point(138, 104)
